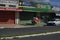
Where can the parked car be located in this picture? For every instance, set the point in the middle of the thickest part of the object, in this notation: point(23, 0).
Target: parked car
point(54, 22)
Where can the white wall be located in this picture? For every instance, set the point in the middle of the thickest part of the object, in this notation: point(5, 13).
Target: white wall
point(9, 2)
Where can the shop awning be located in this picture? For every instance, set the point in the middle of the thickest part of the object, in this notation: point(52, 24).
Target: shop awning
point(34, 9)
point(37, 9)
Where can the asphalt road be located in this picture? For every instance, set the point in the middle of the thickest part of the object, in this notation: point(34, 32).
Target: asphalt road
point(44, 37)
point(25, 30)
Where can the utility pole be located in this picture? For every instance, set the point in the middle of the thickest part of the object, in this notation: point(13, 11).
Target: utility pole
point(38, 6)
point(38, 13)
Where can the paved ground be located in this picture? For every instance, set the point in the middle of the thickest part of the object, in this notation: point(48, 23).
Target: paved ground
point(16, 26)
point(44, 37)
point(28, 30)
point(20, 26)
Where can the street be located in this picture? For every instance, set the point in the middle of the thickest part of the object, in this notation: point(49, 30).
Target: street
point(28, 30)
point(43, 37)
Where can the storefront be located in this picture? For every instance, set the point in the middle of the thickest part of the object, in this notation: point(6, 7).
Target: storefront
point(8, 15)
point(9, 11)
point(28, 13)
point(31, 9)
point(26, 17)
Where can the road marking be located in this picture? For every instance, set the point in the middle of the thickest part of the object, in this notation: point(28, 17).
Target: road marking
point(49, 33)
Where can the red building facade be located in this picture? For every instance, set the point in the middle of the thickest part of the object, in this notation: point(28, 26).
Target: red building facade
point(8, 9)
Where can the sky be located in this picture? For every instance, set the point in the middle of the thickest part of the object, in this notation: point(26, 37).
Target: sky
point(36, 0)
point(52, 2)
point(55, 2)
point(43, 0)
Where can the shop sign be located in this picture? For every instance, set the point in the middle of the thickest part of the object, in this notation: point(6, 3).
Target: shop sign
point(11, 9)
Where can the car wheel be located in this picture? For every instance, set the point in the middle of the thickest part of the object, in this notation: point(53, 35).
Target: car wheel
point(48, 24)
point(54, 24)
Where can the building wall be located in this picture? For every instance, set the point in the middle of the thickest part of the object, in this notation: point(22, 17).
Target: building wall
point(7, 3)
point(8, 8)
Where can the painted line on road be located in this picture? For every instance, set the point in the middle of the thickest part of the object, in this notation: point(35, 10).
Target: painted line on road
point(49, 33)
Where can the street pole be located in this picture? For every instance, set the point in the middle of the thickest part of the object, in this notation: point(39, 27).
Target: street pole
point(38, 13)
point(38, 6)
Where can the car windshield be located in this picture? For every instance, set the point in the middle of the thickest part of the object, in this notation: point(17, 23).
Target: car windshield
point(52, 19)
point(57, 19)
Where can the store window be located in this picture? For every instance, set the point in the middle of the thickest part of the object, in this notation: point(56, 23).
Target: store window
point(2, 5)
point(13, 6)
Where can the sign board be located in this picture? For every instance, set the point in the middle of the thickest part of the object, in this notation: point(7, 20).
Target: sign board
point(11, 9)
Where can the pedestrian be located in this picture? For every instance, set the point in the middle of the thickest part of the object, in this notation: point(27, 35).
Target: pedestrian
point(35, 20)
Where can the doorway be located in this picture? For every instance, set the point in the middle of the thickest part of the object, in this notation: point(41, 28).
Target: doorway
point(26, 17)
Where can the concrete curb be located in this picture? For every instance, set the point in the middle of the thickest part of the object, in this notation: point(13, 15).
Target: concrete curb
point(49, 33)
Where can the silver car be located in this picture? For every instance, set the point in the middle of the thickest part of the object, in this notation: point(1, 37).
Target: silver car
point(54, 22)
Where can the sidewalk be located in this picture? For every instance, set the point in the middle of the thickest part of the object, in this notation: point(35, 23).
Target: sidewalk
point(20, 26)
point(17, 26)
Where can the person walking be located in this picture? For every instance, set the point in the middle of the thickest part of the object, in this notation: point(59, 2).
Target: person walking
point(35, 20)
